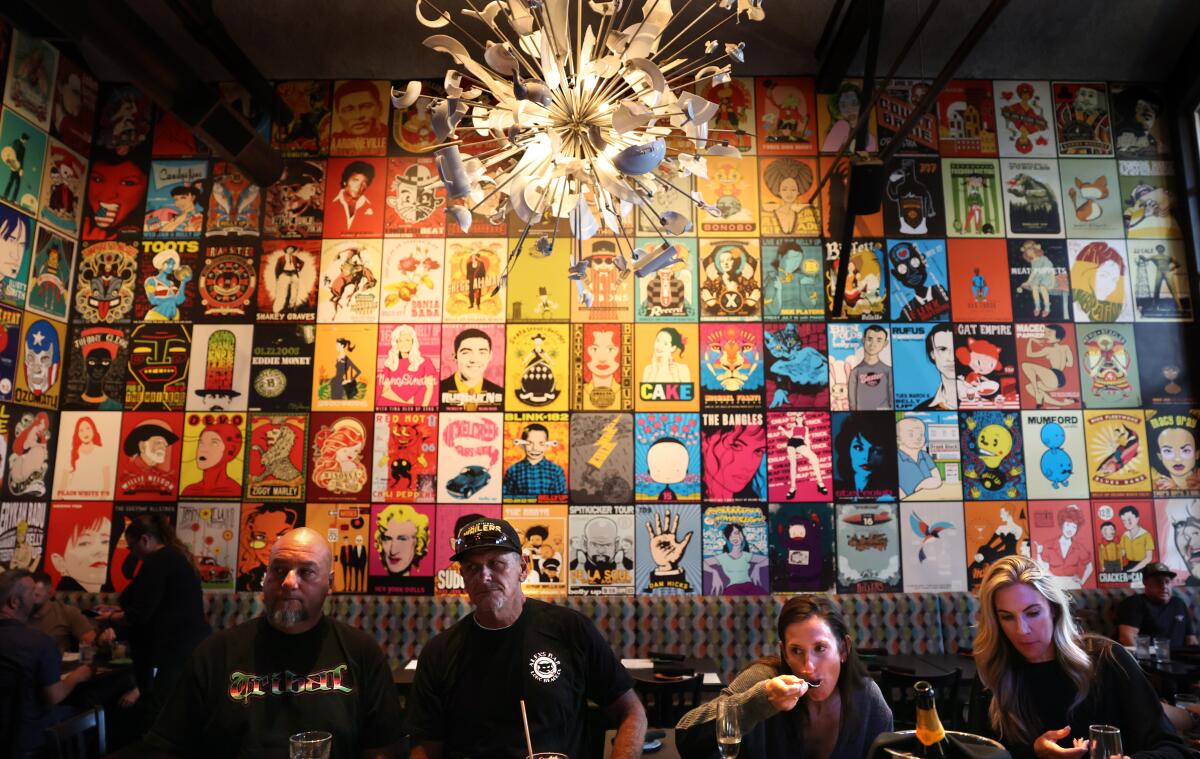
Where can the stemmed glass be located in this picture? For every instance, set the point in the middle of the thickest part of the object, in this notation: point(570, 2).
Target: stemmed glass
point(729, 728)
point(1104, 742)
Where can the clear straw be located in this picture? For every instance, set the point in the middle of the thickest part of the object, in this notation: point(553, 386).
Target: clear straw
point(525, 721)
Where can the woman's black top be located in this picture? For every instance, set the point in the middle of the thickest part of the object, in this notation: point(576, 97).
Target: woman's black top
point(164, 610)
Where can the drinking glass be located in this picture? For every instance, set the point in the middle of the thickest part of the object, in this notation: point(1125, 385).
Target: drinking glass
point(1104, 742)
point(87, 653)
point(1162, 647)
point(314, 744)
point(1143, 647)
point(729, 728)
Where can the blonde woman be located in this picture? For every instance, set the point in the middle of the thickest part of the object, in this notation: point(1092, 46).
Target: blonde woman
point(1050, 681)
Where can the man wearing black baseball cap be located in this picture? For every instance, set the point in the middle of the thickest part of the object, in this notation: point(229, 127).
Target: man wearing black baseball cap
point(471, 679)
point(1156, 611)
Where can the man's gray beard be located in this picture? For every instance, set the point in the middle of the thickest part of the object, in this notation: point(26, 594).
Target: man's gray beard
point(283, 616)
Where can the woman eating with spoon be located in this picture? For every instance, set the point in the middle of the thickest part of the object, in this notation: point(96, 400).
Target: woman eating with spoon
point(813, 701)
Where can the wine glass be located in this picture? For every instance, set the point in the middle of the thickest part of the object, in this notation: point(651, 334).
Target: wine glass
point(1104, 742)
point(729, 728)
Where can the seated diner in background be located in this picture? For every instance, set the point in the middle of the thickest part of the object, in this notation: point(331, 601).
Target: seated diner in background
point(814, 699)
point(66, 624)
point(1156, 611)
point(1050, 682)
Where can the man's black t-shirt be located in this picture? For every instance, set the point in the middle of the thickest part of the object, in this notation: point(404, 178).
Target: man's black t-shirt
point(470, 682)
point(245, 690)
point(33, 654)
point(1170, 620)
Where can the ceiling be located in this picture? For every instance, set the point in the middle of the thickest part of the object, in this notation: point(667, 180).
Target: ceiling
point(1066, 39)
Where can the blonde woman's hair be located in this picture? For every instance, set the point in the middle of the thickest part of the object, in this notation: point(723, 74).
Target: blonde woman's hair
point(999, 663)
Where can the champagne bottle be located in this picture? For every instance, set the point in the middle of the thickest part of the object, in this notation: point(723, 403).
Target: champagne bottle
point(929, 731)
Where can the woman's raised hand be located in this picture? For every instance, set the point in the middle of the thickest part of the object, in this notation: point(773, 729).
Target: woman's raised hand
point(784, 691)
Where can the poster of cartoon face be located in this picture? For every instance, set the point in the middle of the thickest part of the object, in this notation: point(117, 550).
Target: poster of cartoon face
point(408, 366)
point(105, 282)
point(1108, 367)
point(213, 456)
point(1125, 541)
point(31, 73)
point(666, 367)
point(1082, 118)
point(116, 197)
point(281, 367)
point(896, 103)
point(735, 551)
point(735, 117)
point(733, 449)
point(1049, 369)
point(412, 281)
point(236, 204)
point(929, 461)
point(802, 547)
point(295, 205)
point(601, 458)
point(220, 378)
point(95, 378)
point(16, 241)
point(986, 358)
point(22, 534)
point(148, 462)
point(1061, 542)
point(1149, 199)
point(399, 550)
point(1091, 196)
point(1160, 280)
point(77, 546)
point(604, 353)
point(1178, 521)
point(536, 455)
point(227, 281)
point(307, 134)
point(62, 188)
point(88, 445)
point(913, 198)
point(731, 374)
point(544, 544)
point(537, 367)
point(667, 457)
point(602, 294)
point(966, 118)
point(412, 127)
point(1025, 117)
point(349, 284)
point(276, 458)
point(414, 207)
point(793, 279)
point(993, 531)
point(39, 380)
point(360, 113)
point(980, 281)
point(344, 363)
point(1118, 462)
point(860, 367)
point(920, 283)
point(1166, 380)
point(868, 547)
point(10, 347)
point(49, 289)
point(472, 367)
point(993, 464)
point(789, 203)
point(787, 121)
point(731, 197)
point(354, 197)
point(1100, 278)
point(124, 122)
point(799, 456)
point(22, 162)
point(538, 288)
point(75, 98)
point(973, 198)
point(210, 532)
point(667, 561)
point(340, 457)
point(730, 279)
point(30, 463)
point(261, 525)
point(159, 356)
point(1032, 204)
point(932, 542)
point(288, 276)
point(864, 456)
point(165, 289)
point(405, 464)
point(1139, 124)
point(1055, 453)
point(176, 200)
point(1173, 451)
point(452, 517)
point(865, 295)
point(838, 113)
point(470, 457)
point(473, 290)
point(601, 550)
point(797, 370)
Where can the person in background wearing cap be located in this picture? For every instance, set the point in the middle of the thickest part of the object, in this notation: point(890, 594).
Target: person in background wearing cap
point(248, 688)
point(471, 679)
point(1156, 611)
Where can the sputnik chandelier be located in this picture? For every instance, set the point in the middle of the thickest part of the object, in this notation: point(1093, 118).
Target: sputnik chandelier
point(576, 120)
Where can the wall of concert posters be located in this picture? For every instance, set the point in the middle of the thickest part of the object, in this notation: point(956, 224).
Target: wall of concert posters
point(1010, 374)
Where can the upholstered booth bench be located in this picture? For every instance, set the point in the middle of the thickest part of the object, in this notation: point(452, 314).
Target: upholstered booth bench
point(731, 630)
